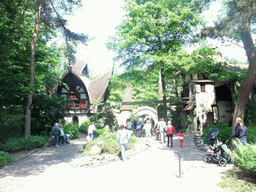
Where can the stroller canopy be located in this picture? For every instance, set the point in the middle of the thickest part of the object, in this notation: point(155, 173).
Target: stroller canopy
point(213, 133)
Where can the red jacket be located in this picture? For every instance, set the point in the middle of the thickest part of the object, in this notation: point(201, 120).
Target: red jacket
point(170, 130)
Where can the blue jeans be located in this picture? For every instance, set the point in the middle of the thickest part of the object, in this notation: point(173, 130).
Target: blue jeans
point(168, 141)
point(91, 135)
point(124, 147)
point(162, 136)
point(56, 139)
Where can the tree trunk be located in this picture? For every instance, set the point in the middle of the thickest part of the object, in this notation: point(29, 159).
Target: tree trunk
point(249, 80)
point(32, 73)
point(164, 95)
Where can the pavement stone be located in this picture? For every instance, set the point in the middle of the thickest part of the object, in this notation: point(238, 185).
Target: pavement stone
point(155, 167)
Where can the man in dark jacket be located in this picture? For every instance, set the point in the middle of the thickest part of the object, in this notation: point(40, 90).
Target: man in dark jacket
point(56, 134)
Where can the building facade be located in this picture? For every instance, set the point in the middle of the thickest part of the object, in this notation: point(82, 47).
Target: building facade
point(83, 93)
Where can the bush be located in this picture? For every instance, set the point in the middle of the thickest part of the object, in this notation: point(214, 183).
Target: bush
point(46, 111)
point(11, 125)
point(84, 126)
point(225, 131)
point(35, 141)
point(71, 129)
point(5, 158)
point(244, 157)
point(15, 144)
point(251, 132)
point(108, 143)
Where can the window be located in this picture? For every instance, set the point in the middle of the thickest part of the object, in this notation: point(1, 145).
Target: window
point(202, 85)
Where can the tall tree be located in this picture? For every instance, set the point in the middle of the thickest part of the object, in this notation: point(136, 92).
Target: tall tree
point(152, 31)
point(238, 25)
point(49, 9)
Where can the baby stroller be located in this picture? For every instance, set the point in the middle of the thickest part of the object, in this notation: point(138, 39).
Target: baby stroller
point(219, 155)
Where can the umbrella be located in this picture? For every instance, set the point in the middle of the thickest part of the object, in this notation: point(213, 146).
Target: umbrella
point(213, 133)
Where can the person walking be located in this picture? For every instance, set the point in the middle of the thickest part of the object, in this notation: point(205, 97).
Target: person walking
point(240, 131)
point(170, 131)
point(162, 126)
point(91, 131)
point(123, 138)
point(189, 122)
point(56, 133)
point(181, 137)
point(147, 128)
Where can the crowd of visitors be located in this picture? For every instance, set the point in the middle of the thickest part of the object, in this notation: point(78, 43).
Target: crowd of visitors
point(147, 128)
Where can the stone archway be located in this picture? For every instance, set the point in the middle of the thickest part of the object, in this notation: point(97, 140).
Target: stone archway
point(147, 111)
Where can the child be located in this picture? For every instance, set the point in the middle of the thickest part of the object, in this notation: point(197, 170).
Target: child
point(182, 136)
point(217, 149)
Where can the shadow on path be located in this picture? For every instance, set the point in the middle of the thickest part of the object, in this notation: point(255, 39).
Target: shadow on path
point(37, 162)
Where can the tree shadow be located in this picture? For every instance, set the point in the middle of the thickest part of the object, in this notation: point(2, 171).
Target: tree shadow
point(37, 162)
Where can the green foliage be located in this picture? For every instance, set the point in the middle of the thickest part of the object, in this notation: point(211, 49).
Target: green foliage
point(5, 158)
point(15, 144)
point(224, 135)
point(46, 111)
point(71, 129)
point(11, 124)
point(144, 85)
point(105, 116)
point(244, 157)
point(250, 112)
point(83, 128)
point(174, 116)
point(251, 134)
point(237, 181)
point(108, 143)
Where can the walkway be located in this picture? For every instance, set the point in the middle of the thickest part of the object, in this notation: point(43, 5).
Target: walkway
point(156, 168)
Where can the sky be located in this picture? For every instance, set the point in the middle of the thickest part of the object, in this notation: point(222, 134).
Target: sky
point(99, 19)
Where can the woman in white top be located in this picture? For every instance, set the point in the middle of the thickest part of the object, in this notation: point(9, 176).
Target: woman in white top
point(123, 138)
point(147, 128)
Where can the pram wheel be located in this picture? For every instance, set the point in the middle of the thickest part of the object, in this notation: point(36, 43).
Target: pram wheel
point(207, 158)
point(223, 162)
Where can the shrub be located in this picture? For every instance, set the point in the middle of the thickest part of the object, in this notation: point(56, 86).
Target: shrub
point(225, 131)
point(5, 158)
point(35, 141)
point(11, 125)
point(108, 143)
point(251, 132)
point(46, 111)
point(84, 126)
point(15, 144)
point(71, 129)
point(244, 157)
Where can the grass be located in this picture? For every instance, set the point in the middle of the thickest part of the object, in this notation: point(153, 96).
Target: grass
point(238, 181)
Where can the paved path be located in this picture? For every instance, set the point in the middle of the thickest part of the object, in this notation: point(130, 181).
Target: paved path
point(156, 168)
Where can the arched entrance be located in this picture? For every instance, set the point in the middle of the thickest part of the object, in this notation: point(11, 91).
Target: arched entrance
point(75, 120)
point(146, 111)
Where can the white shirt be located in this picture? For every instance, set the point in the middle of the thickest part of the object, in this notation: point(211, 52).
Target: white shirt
point(162, 125)
point(147, 127)
point(91, 128)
